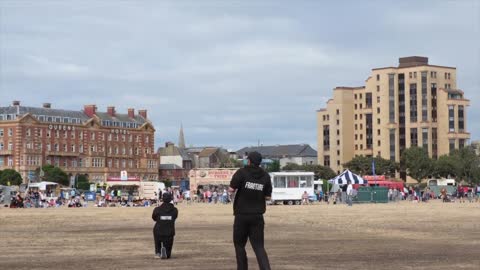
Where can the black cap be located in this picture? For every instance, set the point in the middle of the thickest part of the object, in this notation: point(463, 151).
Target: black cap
point(167, 197)
point(255, 158)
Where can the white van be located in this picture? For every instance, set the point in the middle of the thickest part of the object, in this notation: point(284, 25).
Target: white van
point(148, 189)
point(288, 187)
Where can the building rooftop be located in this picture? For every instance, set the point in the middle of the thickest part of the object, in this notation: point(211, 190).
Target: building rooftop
point(280, 151)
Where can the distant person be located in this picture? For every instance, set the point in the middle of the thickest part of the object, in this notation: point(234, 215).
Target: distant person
point(164, 230)
point(253, 187)
point(305, 197)
point(349, 193)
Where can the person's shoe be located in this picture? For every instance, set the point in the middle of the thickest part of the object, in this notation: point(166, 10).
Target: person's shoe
point(163, 254)
point(157, 256)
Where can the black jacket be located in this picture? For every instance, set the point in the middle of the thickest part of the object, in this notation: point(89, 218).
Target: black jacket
point(165, 216)
point(253, 184)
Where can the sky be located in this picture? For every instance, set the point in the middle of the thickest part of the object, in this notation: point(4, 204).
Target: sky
point(233, 73)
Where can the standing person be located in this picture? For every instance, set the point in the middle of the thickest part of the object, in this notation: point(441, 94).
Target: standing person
point(349, 193)
point(305, 197)
point(253, 187)
point(164, 230)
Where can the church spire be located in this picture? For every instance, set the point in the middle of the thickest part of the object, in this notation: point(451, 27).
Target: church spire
point(181, 138)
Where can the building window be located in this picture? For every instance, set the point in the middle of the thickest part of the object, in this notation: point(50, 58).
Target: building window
point(378, 132)
point(368, 100)
point(338, 152)
point(424, 97)
point(378, 110)
point(338, 162)
point(461, 119)
point(392, 144)
point(451, 118)
point(378, 77)
point(355, 96)
point(338, 112)
point(451, 145)
point(378, 88)
point(338, 132)
point(73, 148)
point(356, 136)
point(425, 139)
point(413, 137)
point(378, 121)
point(65, 148)
point(378, 99)
point(10, 132)
point(391, 97)
point(338, 122)
point(326, 161)
point(413, 102)
point(378, 143)
point(338, 142)
point(461, 143)
point(1, 132)
point(356, 106)
point(355, 116)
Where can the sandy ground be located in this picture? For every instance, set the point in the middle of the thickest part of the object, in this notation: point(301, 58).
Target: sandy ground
point(371, 236)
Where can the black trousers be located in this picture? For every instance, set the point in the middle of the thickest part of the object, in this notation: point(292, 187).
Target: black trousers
point(249, 227)
point(166, 241)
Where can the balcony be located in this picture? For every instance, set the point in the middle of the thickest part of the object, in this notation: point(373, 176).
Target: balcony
point(6, 152)
point(61, 154)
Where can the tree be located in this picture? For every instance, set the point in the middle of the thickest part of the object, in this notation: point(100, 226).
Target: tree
point(417, 163)
point(293, 167)
point(446, 166)
point(468, 163)
point(54, 174)
point(10, 176)
point(363, 166)
point(230, 163)
point(274, 166)
point(321, 172)
point(83, 182)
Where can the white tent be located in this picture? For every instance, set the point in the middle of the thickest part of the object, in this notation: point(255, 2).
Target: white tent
point(346, 176)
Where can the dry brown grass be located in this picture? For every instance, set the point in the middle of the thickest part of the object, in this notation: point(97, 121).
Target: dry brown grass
point(381, 236)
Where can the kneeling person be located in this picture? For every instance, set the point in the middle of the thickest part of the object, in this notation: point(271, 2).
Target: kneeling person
point(164, 231)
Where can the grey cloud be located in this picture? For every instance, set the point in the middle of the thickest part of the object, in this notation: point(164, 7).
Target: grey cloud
point(233, 73)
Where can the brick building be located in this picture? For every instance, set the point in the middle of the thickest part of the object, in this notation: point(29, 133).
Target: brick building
point(100, 144)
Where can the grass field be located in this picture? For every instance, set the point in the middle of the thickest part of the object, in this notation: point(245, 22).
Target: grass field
point(370, 236)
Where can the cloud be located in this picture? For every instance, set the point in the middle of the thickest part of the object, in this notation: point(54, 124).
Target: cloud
point(233, 73)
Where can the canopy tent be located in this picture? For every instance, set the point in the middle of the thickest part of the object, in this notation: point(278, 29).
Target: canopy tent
point(346, 176)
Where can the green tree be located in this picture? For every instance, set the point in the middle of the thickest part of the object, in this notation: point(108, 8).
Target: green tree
point(82, 182)
point(54, 174)
point(10, 176)
point(417, 163)
point(446, 166)
point(468, 164)
point(321, 172)
point(274, 166)
point(167, 182)
point(362, 165)
point(293, 167)
point(230, 163)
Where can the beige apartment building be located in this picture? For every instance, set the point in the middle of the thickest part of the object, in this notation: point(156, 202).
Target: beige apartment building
point(414, 104)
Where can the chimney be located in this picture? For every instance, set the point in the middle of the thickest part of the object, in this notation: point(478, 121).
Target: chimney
point(111, 111)
point(16, 103)
point(89, 110)
point(47, 105)
point(131, 112)
point(143, 113)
